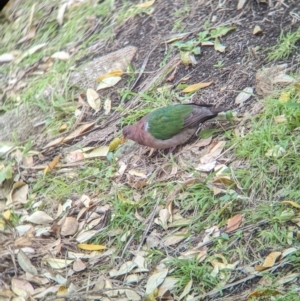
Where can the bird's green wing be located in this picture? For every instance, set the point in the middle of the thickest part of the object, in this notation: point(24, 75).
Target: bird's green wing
point(168, 121)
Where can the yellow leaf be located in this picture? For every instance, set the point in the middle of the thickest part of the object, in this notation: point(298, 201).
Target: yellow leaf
point(7, 215)
point(271, 259)
point(89, 247)
point(52, 164)
point(294, 204)
point(196, 87)
point(62, 291)
point(285, 96)
point(114, 144)
point(110, 74)
point(145, 4)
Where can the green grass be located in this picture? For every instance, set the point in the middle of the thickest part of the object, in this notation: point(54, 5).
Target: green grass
point(285, 46)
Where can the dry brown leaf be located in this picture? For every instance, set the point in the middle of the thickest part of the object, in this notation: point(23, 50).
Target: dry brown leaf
point(169, 284)
point(93, 99)
point(280, 119)
point(175, 238)
point(61, 55)
point(39, 218)
point(234, 223)
point(18, 194)
point(132, 295)
point(155, 280)
point(163, 218)
point(107, 106)
point(30, 51)
point(60, 14)
point(101, 151)
point(75, 156)
point(22, 287)
point(79, 265)
point(257, 30)
point(31, 34)
point(69, 226)
point(52, 164)
point(269, 261)
point(57, 263)
point(81, 129)
point(145, 4)
point(195, 87)
point(26, 264)
point(241, 4)
point(6, 57)
point(125, 268)
point(108, 82)
point(134, 172)
point(245, 94)
point(186, 290)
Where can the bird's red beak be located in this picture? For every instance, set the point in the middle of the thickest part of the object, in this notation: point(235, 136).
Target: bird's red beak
point(123, 139)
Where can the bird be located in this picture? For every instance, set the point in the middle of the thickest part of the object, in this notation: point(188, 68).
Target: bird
point(171, 125)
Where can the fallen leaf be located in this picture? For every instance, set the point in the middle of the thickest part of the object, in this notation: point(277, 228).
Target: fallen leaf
point(257, 30)
point(145, 4)
point(31, 34)
point(107, 106)
point(101, 151)
point(280, 119)
point(79, 265)
point(52, 164)
point(275, 151)
point(245, 94)
point(155, 280)
point(6, 57)
point(18, 194)
point(60, 14)
point(132, 295)
point(125, 268)
point(186, 290)
point(269, 261)
point(40, 218)
point(163, 218)
point(61, 55)
point(25, 263)
point(108, 82)
point(241, 4)
point(30, 51)
point(292, 203)
point(221, 31)
point(175, 238)
point(195, 87)
point(113, 73)
point(90, 247)
point(81, 129)
point(57, 263)
point(218, 46)
point(134, 172)
point(234, 223)
point(93, 99)
point(22, 287)
point(69, 226)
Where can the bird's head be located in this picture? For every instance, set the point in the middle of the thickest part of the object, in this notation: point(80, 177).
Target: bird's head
point(128, 132)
